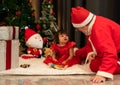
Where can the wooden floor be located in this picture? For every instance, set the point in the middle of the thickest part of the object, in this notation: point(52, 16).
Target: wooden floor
point(54, 80)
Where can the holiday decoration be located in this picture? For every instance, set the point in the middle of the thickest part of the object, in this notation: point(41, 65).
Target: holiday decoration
point(18, 13)
point(25, 65)
point(9, 32)
point(34, 42)
point(21, 13)
point(9, 54)
point(59, 67)
point(47, 52)
point(47, 22)
point(38, 27)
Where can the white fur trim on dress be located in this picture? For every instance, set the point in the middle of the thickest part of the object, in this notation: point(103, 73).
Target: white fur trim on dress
point(105, 74)
point(85, 22)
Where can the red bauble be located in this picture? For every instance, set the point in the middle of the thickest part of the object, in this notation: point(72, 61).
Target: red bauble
point(45, 0)
point(51, 1)
point(18, 13)
point(45, 39)
point(33, 14)
point(38, 26)
point(53, 13)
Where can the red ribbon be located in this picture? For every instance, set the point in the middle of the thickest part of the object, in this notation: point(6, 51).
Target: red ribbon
point(13, 32)
point(8, 53)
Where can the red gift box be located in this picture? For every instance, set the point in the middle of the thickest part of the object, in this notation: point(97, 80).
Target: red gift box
point(9, 54)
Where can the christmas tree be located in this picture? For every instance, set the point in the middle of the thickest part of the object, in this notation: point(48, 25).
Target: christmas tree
point(18, 13)
point(47, 22)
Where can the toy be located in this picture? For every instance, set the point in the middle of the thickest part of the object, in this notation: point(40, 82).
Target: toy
point(47, 52)
point(25, 65)
point(59, 67)
point(34, 42)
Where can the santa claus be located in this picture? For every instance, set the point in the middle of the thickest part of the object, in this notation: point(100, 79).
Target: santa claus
point(34, 42)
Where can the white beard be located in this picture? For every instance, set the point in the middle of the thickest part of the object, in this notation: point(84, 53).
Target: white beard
point(35, 43)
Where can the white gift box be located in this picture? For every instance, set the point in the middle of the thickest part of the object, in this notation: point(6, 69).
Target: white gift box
point(9, 54)
point(9, 32)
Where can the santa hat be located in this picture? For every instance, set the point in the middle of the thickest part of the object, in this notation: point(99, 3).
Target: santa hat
point(80, 17)
point(28, 33)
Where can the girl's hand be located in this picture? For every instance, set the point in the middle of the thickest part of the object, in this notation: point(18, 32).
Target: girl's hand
point(54, 59)
point(64, 62)
point(98, 79)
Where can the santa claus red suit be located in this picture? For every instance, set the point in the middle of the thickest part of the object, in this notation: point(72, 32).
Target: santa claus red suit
point(82, 52)
point(104, 39)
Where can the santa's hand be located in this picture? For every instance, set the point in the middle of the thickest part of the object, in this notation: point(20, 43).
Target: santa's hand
point(98, 79)
point(90, 57)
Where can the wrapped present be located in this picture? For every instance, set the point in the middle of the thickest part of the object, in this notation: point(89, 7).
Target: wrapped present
point(9, 54)
point(9, 32)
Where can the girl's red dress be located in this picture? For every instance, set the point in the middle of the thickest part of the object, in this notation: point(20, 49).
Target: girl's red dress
point(62, 53)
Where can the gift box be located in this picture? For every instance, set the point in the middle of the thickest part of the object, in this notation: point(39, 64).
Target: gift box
point(9, 54)
point(9, 32)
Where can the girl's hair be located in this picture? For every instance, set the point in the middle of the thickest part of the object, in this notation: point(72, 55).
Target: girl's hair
point(57, 35)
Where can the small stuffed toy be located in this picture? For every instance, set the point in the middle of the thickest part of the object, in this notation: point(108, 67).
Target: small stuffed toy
point(47, 52)
point(34, 42)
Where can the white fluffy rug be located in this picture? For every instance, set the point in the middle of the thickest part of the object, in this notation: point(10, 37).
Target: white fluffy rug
point(37, 67)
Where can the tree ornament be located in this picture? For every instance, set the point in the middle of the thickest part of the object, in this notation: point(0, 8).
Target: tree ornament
point(30, 1)
point(44, 26)
point(53, 13)
point(33, 14)
point(51, 1)
point(49, 6)
point(46, 1)
point(38, 26)
point(45, 39)
point(18, 13)
point(5, 9)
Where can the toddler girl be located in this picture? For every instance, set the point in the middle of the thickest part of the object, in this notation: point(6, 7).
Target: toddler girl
point(63, 52)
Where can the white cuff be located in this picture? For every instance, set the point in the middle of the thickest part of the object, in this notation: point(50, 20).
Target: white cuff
point(105, 74)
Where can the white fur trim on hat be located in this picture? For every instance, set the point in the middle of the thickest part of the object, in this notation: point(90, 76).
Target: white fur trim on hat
point(85, 22)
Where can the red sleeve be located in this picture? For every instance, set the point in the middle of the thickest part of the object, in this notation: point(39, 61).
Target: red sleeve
point(53, 46)
point(71, 44)
point(82, 52)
